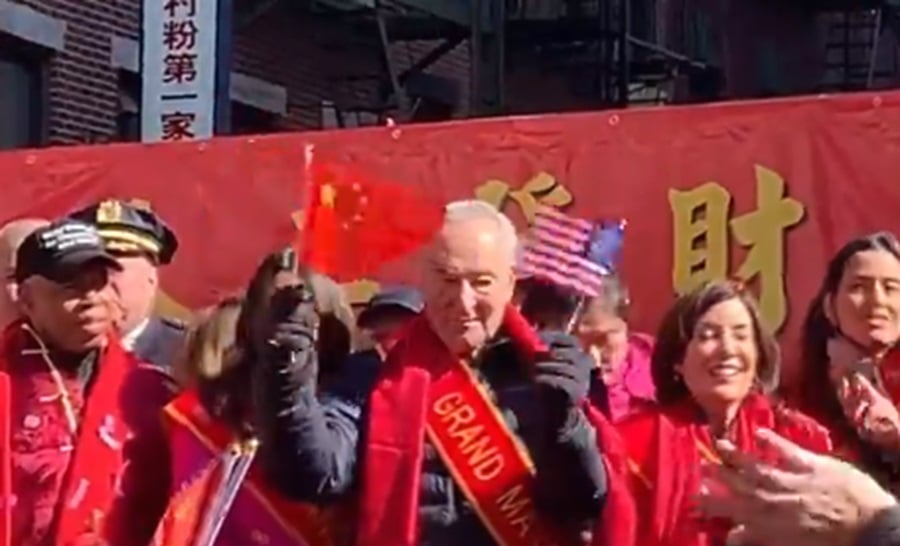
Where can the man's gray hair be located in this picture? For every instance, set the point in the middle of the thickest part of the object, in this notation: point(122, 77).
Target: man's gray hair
point(473, 209)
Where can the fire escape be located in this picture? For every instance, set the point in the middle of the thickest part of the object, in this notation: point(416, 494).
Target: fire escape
point(605, 52)
point(861, 48)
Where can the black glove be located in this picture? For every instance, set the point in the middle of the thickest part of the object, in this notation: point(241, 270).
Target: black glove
point(563, 376)
point(291, 343)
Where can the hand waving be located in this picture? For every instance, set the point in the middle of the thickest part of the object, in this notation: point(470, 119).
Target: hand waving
point(872, 413)
point(806, 500)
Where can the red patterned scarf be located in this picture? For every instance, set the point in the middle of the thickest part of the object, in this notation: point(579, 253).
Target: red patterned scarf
point(91, 483)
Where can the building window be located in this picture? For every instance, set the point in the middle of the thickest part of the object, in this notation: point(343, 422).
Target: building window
point(247, 120)
point(21, 96)
point(128, 118)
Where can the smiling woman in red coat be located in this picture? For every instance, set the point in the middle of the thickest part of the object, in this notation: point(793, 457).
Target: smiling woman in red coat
point(714, 367)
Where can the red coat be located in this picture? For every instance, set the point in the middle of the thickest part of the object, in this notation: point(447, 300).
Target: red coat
point(666, 448)
point(117, 472)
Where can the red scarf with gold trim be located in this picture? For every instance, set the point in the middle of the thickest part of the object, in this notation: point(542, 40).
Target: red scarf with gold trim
point(398, 418)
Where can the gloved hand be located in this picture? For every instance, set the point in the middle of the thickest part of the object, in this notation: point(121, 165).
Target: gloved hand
point(291, 343)
point(563, 376)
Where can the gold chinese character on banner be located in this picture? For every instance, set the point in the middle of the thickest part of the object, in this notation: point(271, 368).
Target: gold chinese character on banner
point(541, 189)
point(702, 227)
point(359, 292)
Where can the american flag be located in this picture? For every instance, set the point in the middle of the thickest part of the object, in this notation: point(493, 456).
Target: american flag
point(557, 250)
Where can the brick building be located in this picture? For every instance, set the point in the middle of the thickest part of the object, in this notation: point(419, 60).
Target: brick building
point(69, 72)
point(69, 68)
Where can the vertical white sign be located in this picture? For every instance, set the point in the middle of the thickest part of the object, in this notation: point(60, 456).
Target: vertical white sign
point(178, 69)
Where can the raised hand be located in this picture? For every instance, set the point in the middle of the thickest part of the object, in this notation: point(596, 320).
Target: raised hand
point(872, 413)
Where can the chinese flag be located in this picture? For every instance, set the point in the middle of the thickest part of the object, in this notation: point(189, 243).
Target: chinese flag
point(187, 509)
point(355, 222)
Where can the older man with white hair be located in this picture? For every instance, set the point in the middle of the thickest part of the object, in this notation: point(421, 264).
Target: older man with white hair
point(11, 236)
point(461, 441)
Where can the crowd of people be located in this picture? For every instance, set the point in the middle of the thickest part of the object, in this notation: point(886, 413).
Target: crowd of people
point(481, 407)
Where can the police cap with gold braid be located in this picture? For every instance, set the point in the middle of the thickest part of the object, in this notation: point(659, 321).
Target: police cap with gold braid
point(130, 228)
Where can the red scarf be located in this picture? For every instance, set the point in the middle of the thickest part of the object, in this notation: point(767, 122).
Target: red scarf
point(392, 460)
point(666, 448)
point(88, 489)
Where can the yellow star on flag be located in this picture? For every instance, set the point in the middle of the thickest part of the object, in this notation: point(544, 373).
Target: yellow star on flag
point(327, 195)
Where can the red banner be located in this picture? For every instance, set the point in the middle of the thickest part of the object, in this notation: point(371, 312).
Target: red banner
point(765, 191)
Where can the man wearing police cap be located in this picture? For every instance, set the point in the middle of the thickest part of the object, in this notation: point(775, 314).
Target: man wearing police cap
point(141, 242)
point(83, 452)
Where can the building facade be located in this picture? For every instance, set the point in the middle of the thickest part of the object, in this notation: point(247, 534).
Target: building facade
point(69, 69)
point(69, 72)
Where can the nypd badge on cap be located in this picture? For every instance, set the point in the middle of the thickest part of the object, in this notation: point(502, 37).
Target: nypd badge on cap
point(131, 228)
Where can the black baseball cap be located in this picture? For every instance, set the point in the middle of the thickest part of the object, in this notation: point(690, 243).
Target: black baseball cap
point(59, 250)
point(400, 298)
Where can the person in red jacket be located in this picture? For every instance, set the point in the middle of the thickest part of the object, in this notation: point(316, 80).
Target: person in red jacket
point(82, 451)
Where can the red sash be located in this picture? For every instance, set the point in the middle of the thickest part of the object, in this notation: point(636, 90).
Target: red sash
point(88, 491)
point(425, 389)
point(666, 449)
point(303, 522)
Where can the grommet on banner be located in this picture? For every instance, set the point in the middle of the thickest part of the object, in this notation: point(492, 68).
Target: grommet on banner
point(877, 101)
point(30, 159)
point(614, 120)
point(396, 132)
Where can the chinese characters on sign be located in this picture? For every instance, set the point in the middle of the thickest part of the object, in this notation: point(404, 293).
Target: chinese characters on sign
point(701, 229)
point(178, 69)
point(542, 189)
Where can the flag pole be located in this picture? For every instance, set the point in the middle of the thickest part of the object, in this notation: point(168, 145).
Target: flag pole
point(301, 241)
point(576, 314)
point(309, 150)
point(235, 472)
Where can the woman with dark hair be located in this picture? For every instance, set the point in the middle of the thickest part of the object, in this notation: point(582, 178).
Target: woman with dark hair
point(714, 367)
point(623, 357)
point(212, 424)
point(850, 372)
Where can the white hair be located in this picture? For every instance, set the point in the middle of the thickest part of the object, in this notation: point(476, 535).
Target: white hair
point(473, 209)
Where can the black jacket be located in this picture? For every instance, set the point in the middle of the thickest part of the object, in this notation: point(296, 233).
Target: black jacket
point(312, 444)
point(159, 341)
